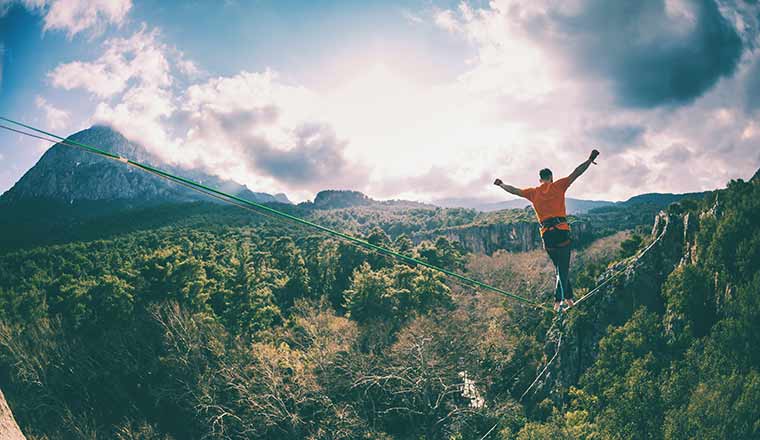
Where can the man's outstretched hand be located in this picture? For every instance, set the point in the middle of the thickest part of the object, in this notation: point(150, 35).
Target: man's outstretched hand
point(593, 156)
point(497, 182)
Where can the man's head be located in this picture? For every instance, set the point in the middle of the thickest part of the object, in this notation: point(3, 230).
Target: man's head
point(545, 175)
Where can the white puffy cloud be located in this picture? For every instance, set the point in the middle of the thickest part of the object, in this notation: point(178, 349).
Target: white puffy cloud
point(447, 20)
point(140, 57)
point(75, 16)
point(55, 117)
point(140, 114)
point(255, 129)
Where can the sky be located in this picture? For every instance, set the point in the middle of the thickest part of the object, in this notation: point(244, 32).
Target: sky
point(400, 99)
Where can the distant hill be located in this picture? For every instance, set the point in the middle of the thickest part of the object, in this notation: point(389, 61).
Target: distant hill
point(574, 206)
point(661, 198)
point(68, 175)
point(337, 199)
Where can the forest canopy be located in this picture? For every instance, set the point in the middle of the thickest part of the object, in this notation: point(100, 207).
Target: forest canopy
point(234, 329)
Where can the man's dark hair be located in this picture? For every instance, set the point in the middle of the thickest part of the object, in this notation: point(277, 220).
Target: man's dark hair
point(545, 174)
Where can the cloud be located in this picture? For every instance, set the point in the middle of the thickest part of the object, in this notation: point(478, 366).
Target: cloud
point(569, 74)
point(651, 53)
point(523, 103)
point(661, 57)
point(139, 57)
point(447, 20)
point(55, 117)
point(411, 17)
point(616, 137)
point(75, 16)
point(751, 96)
point(249, 127)
point(316, 157)
point(675, 153)
point(141, 115)
point(266, 129)
point(436, 182)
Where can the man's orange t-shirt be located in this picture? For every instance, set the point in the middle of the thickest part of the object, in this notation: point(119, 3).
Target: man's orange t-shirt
point(549, 200)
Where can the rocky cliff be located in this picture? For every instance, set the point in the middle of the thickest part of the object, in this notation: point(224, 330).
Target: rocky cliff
point(332, 199)
point(9, 429)
point(512, 236)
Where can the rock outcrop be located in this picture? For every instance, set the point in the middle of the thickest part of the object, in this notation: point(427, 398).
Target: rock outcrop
point(519, 236)
point(332, 199)
point(9, 429)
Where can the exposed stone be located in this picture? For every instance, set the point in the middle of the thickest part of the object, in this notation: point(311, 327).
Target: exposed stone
point(518, 236)
point(9, 429)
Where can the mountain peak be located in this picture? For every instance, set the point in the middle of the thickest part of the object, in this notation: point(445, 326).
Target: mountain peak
point(70, 175)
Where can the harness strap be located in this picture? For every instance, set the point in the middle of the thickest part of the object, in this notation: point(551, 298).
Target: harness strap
point(551, 222)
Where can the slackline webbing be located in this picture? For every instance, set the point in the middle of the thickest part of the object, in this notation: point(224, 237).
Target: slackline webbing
point(269, 210)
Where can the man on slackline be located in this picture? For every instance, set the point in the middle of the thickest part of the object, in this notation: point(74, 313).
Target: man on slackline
point(548, 201)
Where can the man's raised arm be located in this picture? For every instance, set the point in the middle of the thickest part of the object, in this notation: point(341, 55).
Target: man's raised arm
point(582, 167)
point(509, 188)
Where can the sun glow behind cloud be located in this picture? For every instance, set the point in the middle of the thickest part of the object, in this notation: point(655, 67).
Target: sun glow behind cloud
point(539, 86)
point(405, 128)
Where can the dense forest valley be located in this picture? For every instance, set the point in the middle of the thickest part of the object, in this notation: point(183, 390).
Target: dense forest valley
point(201, 321)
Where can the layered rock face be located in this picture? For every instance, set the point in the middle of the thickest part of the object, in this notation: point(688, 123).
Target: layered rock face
point(513, 237)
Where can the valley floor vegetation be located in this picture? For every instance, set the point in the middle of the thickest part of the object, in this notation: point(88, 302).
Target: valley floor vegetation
point(228, 331)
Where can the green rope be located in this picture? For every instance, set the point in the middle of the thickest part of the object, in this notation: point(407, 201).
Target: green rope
point(267, 209)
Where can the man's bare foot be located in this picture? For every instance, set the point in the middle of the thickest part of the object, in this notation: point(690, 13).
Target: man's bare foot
point(556, 306)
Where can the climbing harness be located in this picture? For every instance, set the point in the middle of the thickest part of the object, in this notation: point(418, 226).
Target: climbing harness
point(552, 222)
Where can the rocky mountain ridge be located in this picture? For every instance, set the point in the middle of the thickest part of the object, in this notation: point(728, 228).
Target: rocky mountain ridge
point(70, 175)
